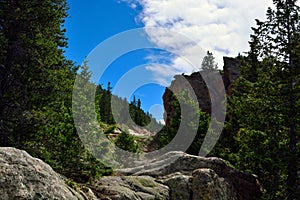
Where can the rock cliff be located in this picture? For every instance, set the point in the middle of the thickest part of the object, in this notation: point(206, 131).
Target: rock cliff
point(174, 176)
point(229, 74)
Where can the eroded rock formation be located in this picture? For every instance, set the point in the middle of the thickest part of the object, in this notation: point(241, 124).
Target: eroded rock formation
point(181, 82)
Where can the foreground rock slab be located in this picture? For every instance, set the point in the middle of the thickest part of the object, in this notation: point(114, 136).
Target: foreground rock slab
point(193, 177)
point(173, 176)
point(130, 188)
point(25, 177)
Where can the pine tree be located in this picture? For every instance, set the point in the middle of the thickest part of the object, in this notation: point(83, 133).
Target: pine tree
point(105, 105)
point(258, 132)
point(209, 62)
point(36, 83)
point(268, 130)
point(279, 41)
point(31, 56)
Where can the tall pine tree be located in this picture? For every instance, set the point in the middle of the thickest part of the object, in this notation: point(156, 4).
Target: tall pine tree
point(31, 63)
point(279, 42)
point(268, 130)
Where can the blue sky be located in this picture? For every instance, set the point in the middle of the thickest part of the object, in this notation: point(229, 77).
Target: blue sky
point(220, 26)
point(92, 22)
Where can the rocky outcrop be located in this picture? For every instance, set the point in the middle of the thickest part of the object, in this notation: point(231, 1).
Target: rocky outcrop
point(192, 177)
point(229, 74)
point(174, 176)
point(25, 177)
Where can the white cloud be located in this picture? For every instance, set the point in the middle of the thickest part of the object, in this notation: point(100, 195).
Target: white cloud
point(133, 5)
point(162, 74)
point(220, 26)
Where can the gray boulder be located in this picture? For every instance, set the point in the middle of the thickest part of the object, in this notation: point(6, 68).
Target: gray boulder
point(25, 177)
point(130, 188)
point(179, 184)
point(194, 176)
point(208, 185)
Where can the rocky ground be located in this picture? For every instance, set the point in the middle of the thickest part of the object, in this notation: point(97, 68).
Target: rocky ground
point(175, 175)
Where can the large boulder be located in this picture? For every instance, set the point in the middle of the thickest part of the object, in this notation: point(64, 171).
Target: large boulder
point(25, 177)
point(198, 177)
point(207, 184)
point(130, 188)
point(179, 184)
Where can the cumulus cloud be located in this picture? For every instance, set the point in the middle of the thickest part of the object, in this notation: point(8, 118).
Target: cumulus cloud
point(220, 26)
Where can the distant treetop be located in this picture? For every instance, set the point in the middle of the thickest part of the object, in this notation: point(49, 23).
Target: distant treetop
point(209, 62)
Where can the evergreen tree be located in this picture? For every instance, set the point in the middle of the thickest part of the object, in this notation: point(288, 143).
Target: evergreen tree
point(268, 130)
point(185, 111)
point(259, 139)
point(105, 105)
point(87, 165)
point(127, 142)
point(279, 42)
point(36, 83)
point(31, 62)
point(209, 62)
